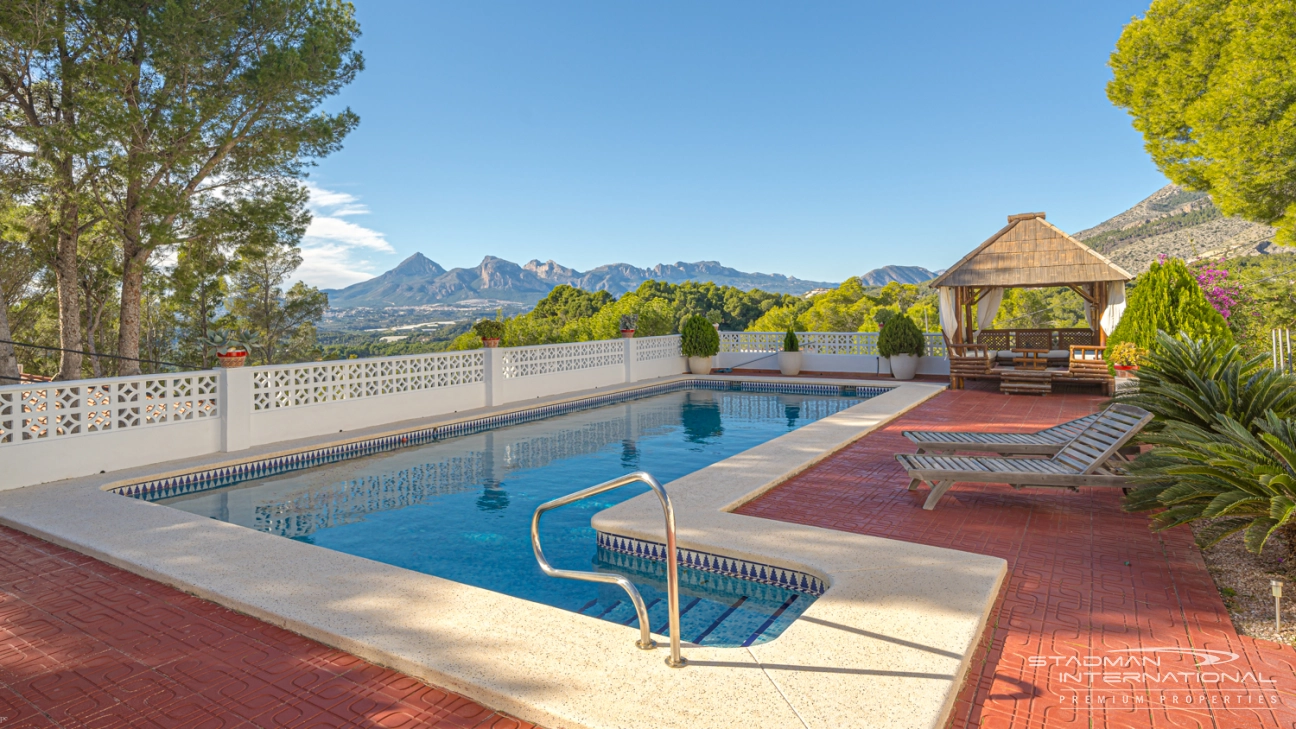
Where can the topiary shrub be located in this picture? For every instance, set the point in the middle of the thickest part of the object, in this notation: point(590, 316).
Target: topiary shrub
point(790, 343)
point(900, 336)
point(489, 329)
point(1168, 298)
point(699, 338)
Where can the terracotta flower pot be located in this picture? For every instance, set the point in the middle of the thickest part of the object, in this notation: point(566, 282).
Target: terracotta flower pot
point(231, 359)
point(1126, 371)
point(492, 343)
point(627, 333)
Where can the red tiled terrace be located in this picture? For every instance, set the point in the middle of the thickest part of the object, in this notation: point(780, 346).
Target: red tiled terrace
point(85, 644)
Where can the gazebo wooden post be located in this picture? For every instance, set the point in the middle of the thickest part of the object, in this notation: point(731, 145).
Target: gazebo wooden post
point(969, 298)
point(960, 335)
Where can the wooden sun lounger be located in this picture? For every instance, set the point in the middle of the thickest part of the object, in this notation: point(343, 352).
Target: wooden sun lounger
point(1042, 443)
point(1082, 462)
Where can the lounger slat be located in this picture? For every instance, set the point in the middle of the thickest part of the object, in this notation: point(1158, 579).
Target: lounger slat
point(1108, 430)
point(1097, 445)
point(1085, 445)
point(1076, 463)
point(1045, 442)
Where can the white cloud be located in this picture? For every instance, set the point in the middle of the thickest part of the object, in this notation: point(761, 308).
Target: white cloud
point(321, 198)
point(346, 233)
point(334, 249)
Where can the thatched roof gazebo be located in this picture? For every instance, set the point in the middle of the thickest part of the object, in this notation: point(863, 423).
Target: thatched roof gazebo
point(1029, 252)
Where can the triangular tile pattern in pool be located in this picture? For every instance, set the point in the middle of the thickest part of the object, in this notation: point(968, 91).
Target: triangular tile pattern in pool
point(717, 563)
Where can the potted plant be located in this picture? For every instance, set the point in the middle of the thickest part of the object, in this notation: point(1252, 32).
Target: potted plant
point(902, 343)
point(699, 341)
point(490, 331)
point(231, 350)
point(628, 324)
point(1125, 358)
point(789, 359)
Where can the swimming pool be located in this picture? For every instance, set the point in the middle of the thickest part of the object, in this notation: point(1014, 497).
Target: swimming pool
point(460, 506)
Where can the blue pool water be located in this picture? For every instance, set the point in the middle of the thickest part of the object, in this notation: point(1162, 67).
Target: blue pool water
point(461, 508)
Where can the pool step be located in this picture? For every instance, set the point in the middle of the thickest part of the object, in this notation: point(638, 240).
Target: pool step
point(704, 622)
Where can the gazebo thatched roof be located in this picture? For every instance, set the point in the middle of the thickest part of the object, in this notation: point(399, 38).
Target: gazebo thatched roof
point(1031, 252)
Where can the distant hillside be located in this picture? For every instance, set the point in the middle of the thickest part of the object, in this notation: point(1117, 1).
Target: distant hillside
point(1177, 223)
point(419, 280)
point(903, 274)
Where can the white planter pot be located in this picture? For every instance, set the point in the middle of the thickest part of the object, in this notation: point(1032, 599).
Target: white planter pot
point(789, 363)
point(904, 366)
point(699, 365)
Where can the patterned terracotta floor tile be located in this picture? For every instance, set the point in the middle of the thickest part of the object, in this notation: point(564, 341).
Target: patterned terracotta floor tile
point(1087, 582)
point(85, 644)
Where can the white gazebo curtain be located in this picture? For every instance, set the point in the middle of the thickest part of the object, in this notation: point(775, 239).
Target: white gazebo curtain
point(945, 300)
point(988, 307)
point(1111, 315)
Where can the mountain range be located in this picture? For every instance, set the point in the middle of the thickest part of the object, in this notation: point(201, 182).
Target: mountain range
point(1171, 221)
point(419, 280)
point(1178, 223)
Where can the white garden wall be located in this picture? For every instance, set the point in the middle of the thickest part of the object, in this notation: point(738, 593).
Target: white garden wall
point(526, 373)
point(56, 430)
point(52, 431)
point(854, 352)
point(314, 398)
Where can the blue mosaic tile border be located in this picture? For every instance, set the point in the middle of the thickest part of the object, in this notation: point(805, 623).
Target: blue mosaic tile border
point(719, 564)
point(798, 389)
point(214, 478)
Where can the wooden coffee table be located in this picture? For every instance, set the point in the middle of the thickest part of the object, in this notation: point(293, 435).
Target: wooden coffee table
point(1029, 376)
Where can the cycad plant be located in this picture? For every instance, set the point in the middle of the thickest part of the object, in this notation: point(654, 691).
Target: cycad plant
point(1224, 445)
point(1191, 381)
point(1240, 478)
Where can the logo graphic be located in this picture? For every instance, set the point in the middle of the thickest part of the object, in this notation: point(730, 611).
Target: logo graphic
point(1168, 676)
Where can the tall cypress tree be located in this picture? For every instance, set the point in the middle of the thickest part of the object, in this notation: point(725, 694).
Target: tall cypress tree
point(1168, 298)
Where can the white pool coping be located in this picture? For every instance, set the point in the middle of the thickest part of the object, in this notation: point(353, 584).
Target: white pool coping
point(888, 644)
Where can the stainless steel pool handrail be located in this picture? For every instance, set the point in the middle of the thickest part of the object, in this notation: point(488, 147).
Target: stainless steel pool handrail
point(672, 561)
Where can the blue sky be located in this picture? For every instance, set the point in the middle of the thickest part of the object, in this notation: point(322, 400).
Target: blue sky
point(819, 140)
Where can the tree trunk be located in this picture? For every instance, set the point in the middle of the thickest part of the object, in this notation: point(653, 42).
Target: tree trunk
point(134, 261)
point(67, 276)
point(8, 361)
point(92, 329)
point(132, 294)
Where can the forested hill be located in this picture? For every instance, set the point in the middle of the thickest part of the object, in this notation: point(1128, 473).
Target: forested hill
point(1178, 223)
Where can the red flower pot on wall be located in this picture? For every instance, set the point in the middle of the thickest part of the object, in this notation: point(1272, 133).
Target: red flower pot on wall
point(231, 359)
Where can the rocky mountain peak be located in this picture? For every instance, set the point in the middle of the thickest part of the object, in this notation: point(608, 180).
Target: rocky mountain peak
point(418, 264)
point(552, 271)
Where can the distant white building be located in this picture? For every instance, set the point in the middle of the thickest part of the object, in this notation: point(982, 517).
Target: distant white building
point(814, 292)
